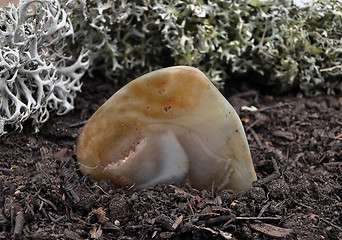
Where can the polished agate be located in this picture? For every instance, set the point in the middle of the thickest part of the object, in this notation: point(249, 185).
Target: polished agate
point(168, 126)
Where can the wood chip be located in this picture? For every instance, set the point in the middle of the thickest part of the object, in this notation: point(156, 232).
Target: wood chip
point(218, 201)
point(61, 153)
point(225, 235)
point(233, 203)
point(19, 223)
point(190, 206)
point(270, 230)
point(45, 153)
point(69, 234)
point(154, 234)
point(177, 222)
point(198, 198)
point(96, 233)
point(286, 135)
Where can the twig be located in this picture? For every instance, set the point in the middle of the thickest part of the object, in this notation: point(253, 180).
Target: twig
point(228, 222)
point(181, 191)
point(69, 210)
point(215, 220)
point(263, 209)
point(133, 227)
point(2, 198)
point(257, 139)
point(274, 106)
point(302, 204)
point(267, 179)
point(332, 164)
point(330, 69)
point(258, 218)
point(249, 218)
point(264, 34)
point(48, 202)
point(190, 206)
point(277, 153)
point(102, 190)
point(276, 172)
point(19, 224)
point(223, 234)
point(338, 137)
point(6, 171)
point(253, 124)
point(78, 124)
point(3, 221)
point(283, 219)
point(275, 166)
point(326, 221)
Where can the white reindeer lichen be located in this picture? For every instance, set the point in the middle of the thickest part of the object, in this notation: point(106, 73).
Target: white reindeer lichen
point(37, 74)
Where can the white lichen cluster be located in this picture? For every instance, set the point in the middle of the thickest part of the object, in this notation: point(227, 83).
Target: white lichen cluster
point(121, 36)
point(37, 72)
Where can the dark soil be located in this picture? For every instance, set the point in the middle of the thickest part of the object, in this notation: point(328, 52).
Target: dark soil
point(296, 145)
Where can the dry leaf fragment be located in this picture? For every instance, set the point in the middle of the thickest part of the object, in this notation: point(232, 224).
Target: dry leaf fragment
point(101, 215)
point(271, 230)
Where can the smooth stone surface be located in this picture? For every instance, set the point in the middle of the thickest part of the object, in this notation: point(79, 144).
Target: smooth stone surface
point(167, 126)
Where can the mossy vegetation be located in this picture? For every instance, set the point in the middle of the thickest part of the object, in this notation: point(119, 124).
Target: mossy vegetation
point(288, 47)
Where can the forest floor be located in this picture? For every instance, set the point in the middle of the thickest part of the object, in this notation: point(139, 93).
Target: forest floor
point(296, 146)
